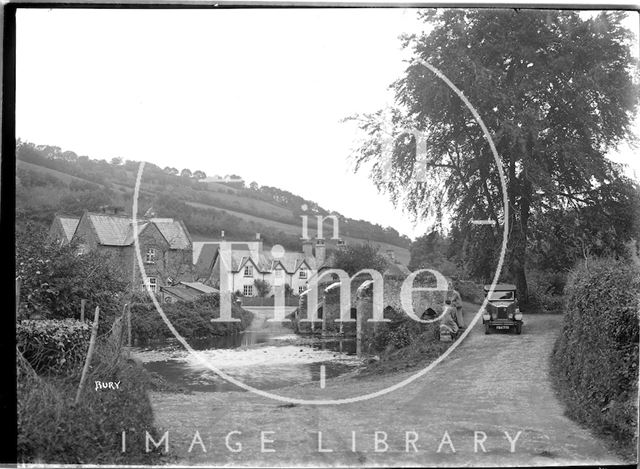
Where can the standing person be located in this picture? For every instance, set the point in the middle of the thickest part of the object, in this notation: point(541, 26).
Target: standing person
point(456, 301)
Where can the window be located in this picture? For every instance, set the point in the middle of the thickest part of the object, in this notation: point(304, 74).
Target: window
point(247, 290)
point(152, 282)
point(82, 249)
point(150, 257)
point(501, 295)
point(303, 273)
point(248, 271)
point(300, 289)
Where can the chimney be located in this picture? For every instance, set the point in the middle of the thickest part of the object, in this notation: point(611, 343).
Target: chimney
point(321, 250)
point(258, 243)
point(391, 255)
point(221, 235)
point(307, 247)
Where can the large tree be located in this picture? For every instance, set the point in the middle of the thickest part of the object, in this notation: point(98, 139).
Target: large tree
point(556, 92)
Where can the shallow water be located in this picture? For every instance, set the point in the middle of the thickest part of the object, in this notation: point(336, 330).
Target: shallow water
point(265, 359)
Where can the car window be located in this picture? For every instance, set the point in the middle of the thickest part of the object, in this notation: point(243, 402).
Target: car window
point(501, 295)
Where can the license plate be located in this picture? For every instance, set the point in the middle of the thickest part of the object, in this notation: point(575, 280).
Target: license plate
point(502, 327)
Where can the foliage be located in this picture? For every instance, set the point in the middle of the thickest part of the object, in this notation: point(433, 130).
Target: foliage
point(552, 155)
point(52, 429)
point(595, 359)
point(546, 290)
point(353, 258)
point(600, 227)
point(55, 279)
point(469, 291)
point(401, 332)
point(53, 346)
point(190, 319)
point(78, 201)
point(430, 252)
point(263, 287)
point(288, 291)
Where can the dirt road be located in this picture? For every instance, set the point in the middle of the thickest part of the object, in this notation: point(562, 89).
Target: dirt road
point(491, 384)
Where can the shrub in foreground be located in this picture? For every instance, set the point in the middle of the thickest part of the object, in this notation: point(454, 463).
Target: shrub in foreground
point(595, 359)
point(53, 346)
point(52, 429)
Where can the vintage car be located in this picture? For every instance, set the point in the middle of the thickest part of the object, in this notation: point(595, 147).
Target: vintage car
point(502, 310)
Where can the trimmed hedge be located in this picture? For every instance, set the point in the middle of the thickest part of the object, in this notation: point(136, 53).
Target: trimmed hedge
point(53, 346)
point(191, 320)
point(595, 359)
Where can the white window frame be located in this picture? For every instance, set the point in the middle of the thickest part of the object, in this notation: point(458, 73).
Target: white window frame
point(247, 290)
point(150, 255)
point(248, 270)
point(302, 273)
point(301, 289)
point(152, 282)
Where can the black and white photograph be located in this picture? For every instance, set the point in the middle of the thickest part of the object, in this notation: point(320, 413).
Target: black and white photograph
point(323, 235)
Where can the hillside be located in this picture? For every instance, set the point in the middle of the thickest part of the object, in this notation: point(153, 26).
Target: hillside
point(50, 180)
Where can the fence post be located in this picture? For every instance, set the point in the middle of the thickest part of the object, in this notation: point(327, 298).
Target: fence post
point(128, 309)
point(18, 285)
point(87, 362)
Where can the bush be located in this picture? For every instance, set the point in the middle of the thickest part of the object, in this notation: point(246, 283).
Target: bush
point(190, 319)
point(401, 332)
point(470, 291)
point(55, 279)
point(52, 429)
point(595, 359)
point(51, 346)
point(545, 292)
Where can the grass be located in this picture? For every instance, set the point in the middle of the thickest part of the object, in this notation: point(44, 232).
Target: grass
point(52, 429)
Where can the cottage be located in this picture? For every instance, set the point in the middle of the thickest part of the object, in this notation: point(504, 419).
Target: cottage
point(165, 246)
point(249, 261)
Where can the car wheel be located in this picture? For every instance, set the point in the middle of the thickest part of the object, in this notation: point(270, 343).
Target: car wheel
point(487, 329)
point(519, 329)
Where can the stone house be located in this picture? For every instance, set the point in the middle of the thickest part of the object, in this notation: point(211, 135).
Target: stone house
point(165, 246)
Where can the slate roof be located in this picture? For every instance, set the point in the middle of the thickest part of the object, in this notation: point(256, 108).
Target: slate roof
point(174, 232)
point(69, 225)
point(205, 259)
point(117, 230)
point(185, 294)
point(200, 287)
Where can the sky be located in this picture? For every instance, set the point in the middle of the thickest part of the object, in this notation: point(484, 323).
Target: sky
point(258, 93)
